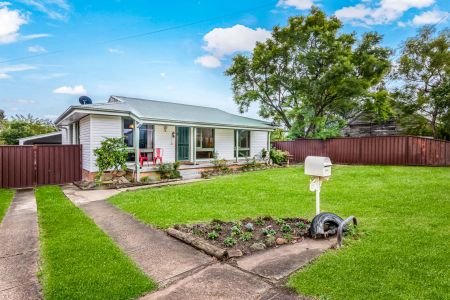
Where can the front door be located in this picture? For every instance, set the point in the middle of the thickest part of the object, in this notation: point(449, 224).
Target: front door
point(183, 143)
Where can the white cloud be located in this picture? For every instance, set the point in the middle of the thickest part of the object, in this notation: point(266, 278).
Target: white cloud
point(10, 22)
point(223, 41)
point(298, 4)
point(34, 36)
point(54, 9)
point(5, 70)
point(37, 49)
point(384, 12)
point(163, 75)
point(76, 90)
point(429, 17)
point(208, 61)
point(115, 51)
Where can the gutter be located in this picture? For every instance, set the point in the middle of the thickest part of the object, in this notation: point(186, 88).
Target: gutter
point(161, 121)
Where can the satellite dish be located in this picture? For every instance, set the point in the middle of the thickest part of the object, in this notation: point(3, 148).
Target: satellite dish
point(85, 100)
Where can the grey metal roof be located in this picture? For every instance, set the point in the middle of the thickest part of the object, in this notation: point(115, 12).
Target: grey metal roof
point(173, 112)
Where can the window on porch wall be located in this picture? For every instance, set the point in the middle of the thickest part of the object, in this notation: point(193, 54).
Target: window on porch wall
point(145, 138)
point(204, 143)
point(243, 143)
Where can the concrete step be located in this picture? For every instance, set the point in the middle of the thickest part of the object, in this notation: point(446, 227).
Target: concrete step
point(190, 174)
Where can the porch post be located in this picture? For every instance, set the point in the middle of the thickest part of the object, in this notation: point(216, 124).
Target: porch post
point(237, 144)
point(194, 155)
point(136, 151)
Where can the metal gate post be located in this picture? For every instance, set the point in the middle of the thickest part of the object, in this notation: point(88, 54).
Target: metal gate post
point(35, 169)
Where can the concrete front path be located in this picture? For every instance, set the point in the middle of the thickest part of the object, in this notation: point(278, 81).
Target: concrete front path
point(278, 263)
point(183, 272)
point(160, 256)
point(19, 249)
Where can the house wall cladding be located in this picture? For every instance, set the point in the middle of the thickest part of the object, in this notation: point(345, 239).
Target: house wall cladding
point(164, 140)
point(386, 150)
point(28, 166)
point(258, 141)
point(224, 143)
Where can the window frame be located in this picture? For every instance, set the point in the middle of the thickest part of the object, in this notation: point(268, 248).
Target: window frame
point(201, 149)
point(131, 150)
point(242, 148)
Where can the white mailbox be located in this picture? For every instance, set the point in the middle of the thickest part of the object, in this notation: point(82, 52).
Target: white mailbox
point(318, 166)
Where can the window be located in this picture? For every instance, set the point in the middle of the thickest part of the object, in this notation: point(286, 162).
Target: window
point(204, 143)
point(243, 143)
point(128, 129)
point(145, 137)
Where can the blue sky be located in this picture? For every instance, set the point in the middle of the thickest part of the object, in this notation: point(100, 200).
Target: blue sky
point(52, 51)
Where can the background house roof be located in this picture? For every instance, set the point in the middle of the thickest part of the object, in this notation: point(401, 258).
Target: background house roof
point(172, 112)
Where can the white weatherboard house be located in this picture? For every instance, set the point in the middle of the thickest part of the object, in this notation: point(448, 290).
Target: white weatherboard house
point(186, 133)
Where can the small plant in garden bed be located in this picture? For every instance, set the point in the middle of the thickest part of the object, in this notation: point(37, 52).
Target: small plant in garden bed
point(213, 235)
point(249, 235)
point(269, 231)
point(229, 241)
point(246, 236)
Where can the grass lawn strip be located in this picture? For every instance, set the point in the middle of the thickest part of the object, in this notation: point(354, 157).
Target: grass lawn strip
point(6, 197)
point(79, 261)
point(403, 215)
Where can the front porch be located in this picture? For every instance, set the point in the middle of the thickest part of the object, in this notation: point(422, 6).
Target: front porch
point(187, 170)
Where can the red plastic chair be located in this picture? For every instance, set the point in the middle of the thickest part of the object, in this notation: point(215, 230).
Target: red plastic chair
point(158, 154)
point(143, 158)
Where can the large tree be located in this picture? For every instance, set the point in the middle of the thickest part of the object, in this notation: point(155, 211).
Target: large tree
point(424, 78)
point(24, 126)
point(309, 76)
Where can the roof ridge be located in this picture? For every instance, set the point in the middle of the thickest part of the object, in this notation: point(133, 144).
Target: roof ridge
point(170, 102)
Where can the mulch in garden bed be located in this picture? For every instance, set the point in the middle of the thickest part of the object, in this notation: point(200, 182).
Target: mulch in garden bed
point(249, 235)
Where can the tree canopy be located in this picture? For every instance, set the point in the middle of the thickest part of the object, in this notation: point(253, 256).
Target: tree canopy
point(309, 77)
point(23, 126)
point(424, 78)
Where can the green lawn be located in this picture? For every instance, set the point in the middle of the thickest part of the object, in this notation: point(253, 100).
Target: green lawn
point(5, 200)
point(78, 260)
point(403, 213)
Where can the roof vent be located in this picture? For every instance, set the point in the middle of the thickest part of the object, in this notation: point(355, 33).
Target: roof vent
point(85, 100)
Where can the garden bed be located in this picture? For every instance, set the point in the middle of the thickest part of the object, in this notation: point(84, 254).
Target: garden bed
point(234, 239)
point(108, 185)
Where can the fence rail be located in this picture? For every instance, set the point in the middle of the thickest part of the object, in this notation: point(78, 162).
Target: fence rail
point(28, 166)
point(380, 150)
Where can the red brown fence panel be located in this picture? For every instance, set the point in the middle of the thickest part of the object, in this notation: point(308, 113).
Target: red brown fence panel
point(16, 166)
point(382, 150)
point(27, 166)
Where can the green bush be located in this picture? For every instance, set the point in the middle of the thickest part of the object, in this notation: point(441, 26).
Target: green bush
point(169, 171)
point(145, 179)
point(112, 154)
point(220, 164)
point(278, 157)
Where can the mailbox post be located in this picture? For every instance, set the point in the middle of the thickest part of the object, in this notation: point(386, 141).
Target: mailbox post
point(319, 168)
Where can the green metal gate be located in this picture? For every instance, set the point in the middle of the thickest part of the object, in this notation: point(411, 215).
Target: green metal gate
point(183, 143)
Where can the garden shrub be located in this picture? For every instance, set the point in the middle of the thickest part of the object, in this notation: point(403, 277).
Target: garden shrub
point(169, 171)
point(112, 154)
point(145, 179)
point(278, 156)
point(220, 165)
